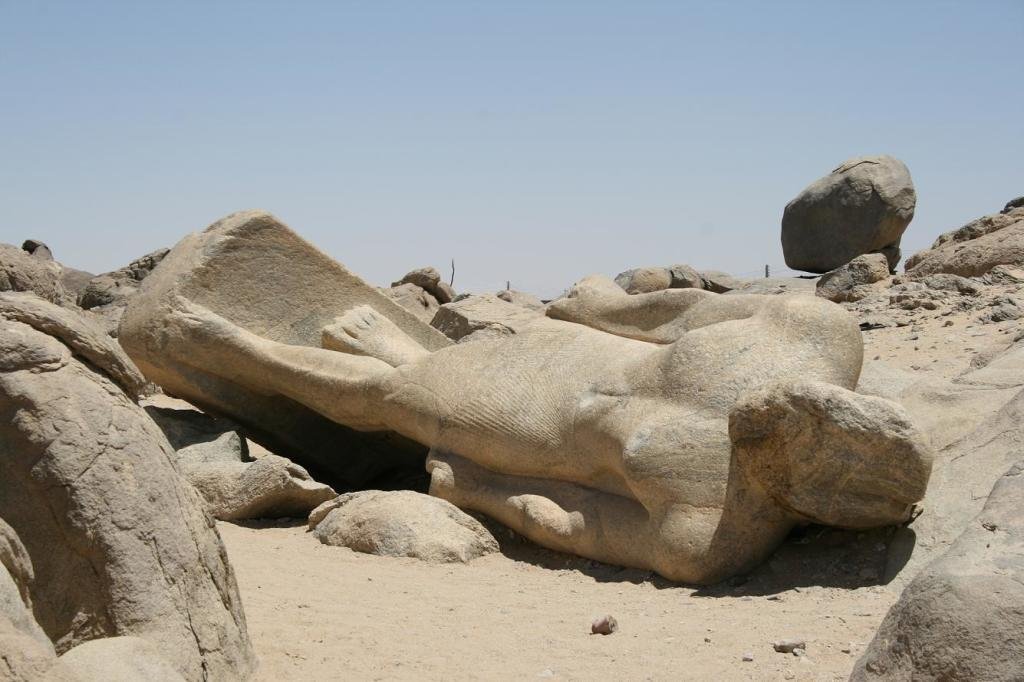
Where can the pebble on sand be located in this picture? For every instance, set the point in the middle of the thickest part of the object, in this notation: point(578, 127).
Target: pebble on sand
point(605, 625)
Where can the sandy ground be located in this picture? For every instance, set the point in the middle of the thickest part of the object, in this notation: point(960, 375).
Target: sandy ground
point(325, 613)
point(328, 613)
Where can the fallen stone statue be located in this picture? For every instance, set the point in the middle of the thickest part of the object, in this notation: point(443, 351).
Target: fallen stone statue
point(680, 431)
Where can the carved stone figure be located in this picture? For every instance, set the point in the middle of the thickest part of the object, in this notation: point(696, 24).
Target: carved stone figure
point(652, 430)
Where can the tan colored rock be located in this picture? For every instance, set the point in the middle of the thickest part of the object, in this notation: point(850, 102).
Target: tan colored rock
point(849, 282)
point(974, 249)
point(401, 523)
point(269, 487)
point(88, 484)
point(114, 659)
point(118, 286)
point(25, 650)
point(585, 441)
point(480, 317)
point(644, 280)
point(20, 271)
point(520, 298)
point(254, 271)
point(414, 299)
point(428, 279)
point(79, 334)
point(961, 617)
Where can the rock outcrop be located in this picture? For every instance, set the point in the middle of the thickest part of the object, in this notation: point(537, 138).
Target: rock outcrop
point(961, 617)
point(78, 333)
point(863, 206)
point(251, 269)
point(21, 271)
point(415, 299)
point(485, 316)
point(213, 455)
point(521, 299)
point(118, 286)
point(851, 282)
point(974, 249)
point(428, 279)
point(106, 296)
point(25, 650)
point(119, 542)
point(647, 280)
point(268, 487)
point(401, 523)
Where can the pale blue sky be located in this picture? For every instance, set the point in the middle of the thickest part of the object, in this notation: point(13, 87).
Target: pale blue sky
point(532, 141)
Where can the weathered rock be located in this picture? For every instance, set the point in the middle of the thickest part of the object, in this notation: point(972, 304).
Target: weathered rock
point(444, 293)
point(185, 427)
point(37, 249)
point(773, 286)
point(846, 283)
point(253, 270)
point(269, 487)
point(74, 281)
point(605, 625)
point(863, 206)
point(876, 461)
point(120, 285)
point(961, 617)
point(789, 646)
point(1012, 204)
point(114, 659)
point(213, 454)
point(521, 299)
point(1003, 309)
point(401, 523)
point(19, 271)
point(975, 248)
point(415, 299)
point(87, 482)
point(948, 282)
point(485, 316)
point(24, 658)
point(79, 334)
point(719, 282)
point(428, 279)
point(25, 650)
point(646, 280)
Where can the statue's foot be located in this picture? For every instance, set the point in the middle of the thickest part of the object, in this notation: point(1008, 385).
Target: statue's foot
point(364, 331)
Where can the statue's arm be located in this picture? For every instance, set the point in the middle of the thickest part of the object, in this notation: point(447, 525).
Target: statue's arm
point(657, 317)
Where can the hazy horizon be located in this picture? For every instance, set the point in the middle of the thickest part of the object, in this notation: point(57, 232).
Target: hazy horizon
point(534, 142)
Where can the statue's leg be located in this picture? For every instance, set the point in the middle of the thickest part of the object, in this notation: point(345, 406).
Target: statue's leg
point(556, 514)
point(344, 388)
point(364, 331)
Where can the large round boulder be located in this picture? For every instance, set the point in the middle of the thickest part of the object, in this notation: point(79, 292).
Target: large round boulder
point(862, 206)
